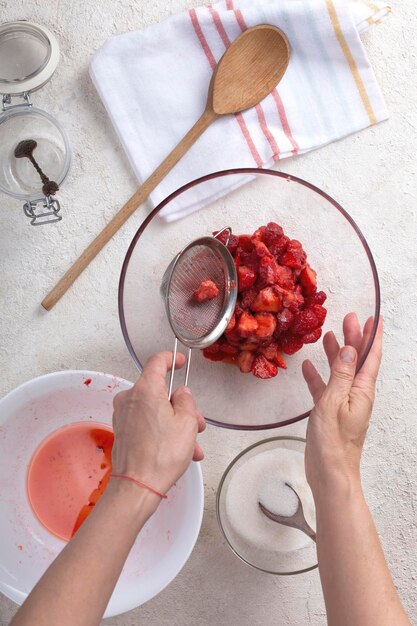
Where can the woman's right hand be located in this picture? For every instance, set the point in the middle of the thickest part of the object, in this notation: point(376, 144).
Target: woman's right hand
point(155, 439)
point(338, 423)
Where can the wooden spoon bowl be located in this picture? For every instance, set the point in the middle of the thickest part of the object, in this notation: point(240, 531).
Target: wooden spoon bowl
point(245, 75)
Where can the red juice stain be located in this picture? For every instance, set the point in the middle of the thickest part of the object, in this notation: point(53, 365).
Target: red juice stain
point(87, 382)
point(68, 474)
point(20, 548)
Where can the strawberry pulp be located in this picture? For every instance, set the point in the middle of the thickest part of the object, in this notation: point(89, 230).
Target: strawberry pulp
point(278, 307)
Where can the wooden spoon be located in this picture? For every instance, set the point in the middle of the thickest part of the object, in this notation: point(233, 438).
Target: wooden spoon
point(297, 520)
point(248, 71)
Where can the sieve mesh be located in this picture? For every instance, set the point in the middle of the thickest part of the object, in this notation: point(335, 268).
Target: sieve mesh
point(192, 320)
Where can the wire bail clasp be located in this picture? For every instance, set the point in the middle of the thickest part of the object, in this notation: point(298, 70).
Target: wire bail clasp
point(7, 101)
point(47, 214)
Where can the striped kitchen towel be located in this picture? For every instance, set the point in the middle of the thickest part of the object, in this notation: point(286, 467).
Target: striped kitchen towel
point(154, 82)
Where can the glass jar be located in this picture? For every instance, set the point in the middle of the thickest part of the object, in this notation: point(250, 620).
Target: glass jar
point(29, 55)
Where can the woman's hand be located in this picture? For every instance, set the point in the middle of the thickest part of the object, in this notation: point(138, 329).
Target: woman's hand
point(155, 440)
point(339, 421)
point(357, 585)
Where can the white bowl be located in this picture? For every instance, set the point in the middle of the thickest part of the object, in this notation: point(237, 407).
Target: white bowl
point(30, 413)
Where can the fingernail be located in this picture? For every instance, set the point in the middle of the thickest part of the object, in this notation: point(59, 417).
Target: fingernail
point(347, 354)
point(186, 390)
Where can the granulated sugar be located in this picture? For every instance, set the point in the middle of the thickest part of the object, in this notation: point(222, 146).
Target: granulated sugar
point(263, 478)
point(276, 496)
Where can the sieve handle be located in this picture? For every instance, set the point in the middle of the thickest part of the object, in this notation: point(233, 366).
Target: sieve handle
point(187, 369)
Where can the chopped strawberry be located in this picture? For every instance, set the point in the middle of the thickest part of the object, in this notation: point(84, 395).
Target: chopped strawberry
point(304, 321)
point(247, 278)
point(290, 344)
point(250, 259)
point(233, 244)
point(272, 234)
point(227, 348)
point(233, 240)
point(269, 271)
point(238, 308)
point(206, 291)
point(278, 308)
point(245, 361)
point(320, 312)
point(291, 259)
point(262, 368)
point(316, 298)
point(232, 359)
point(266, 325)
point(270, 351)
point(214, 348)
point(249, 345)
point(295, 246)
point(278, 247)
point(233, 338)
point(292, 300)
point(231, 332)
point(246, 325)
point(284, 277)
point(284, 320)
point(258, 235)
point(262, 250)
point(231, 324)
point(312, 336)
point(248, 297)
point(294, 255)
point(217, 356)
point(245, 243)
point(280, 361)
point(267, 300)
point(308, 280)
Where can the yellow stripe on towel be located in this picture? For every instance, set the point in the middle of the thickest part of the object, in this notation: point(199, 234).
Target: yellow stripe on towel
point(373, 7)
point(351, 61)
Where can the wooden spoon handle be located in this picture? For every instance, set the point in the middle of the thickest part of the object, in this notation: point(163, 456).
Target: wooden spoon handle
point(128, 209)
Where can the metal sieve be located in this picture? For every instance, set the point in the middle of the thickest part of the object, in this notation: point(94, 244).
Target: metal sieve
point(199, 324)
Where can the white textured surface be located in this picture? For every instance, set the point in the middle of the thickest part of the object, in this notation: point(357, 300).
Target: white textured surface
point(372, 174)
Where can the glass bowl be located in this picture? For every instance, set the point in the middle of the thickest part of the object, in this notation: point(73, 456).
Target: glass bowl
point(31, 413)
point(336, 249)
point(247, 531)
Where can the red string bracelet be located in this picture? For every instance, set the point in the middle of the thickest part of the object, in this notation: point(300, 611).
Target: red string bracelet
point(138, 482)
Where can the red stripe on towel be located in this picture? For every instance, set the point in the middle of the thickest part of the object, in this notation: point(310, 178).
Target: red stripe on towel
point(245, 130)
point(220, 28)
point(267, 132)
point(202, 39)
point(239, 17)
point(280, 105)
point(284, 122)
point(242, 124)
point(261, 116)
